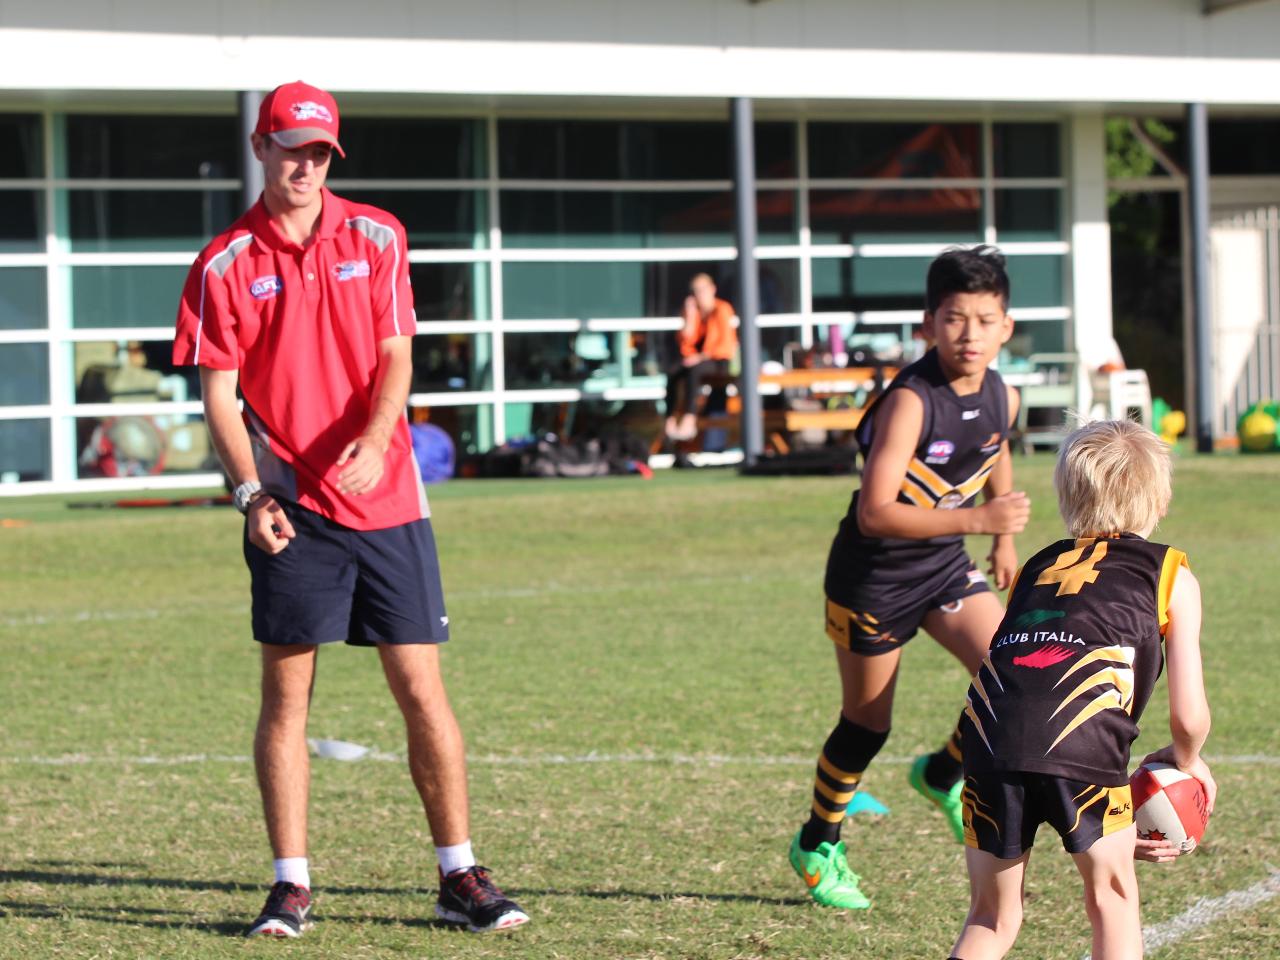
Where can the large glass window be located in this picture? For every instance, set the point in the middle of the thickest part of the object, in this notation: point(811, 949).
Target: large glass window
point(410, 148)
point(1245, 147)
point(103, 146)
point(635, 150)
point(126, 296)
point(132, 371)
point(450, 291)
point(21, 221)
point(24, 451)
point(23, 292)
point(895, 150)
point(572, 218)
point(1026, 150)
point(595, 323)
point(452, 362)
point(1036, 282)
point(433, 219)
point(897, 283)
point(865, 283)
point(1028, 215)
point(142, 446)
point(24, 374)
point(657, 289)
point(21, 155)
point(470, 427)
point(942, 214)
point(149, 220)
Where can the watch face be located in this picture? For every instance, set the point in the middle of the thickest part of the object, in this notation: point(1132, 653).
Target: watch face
point(245, 494)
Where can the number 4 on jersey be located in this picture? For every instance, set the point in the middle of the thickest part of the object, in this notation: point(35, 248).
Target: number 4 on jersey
point(1070, 572)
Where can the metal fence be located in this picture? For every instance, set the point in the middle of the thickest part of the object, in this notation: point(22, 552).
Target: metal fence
point(1246, 315)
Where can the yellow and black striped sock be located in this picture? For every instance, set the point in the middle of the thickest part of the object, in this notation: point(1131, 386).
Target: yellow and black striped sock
point(844, 757)
point(945, 767)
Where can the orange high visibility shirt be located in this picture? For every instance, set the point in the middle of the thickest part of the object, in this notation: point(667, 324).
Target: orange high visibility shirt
point(714, 335)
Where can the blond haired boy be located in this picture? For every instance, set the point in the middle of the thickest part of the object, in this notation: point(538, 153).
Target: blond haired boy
point(1054, 708)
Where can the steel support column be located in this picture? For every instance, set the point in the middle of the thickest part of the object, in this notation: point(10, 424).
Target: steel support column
point(747, 300)
point(1201, 307)
point(250, 168)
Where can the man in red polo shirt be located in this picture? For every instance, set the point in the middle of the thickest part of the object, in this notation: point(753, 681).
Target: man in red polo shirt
point(304, 304)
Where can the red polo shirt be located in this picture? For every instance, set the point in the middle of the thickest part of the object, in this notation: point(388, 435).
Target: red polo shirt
point(302, 325)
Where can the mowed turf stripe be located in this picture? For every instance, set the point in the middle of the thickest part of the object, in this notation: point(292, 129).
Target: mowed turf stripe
point(1207, 910)
point(461, 595)
point(531, 760)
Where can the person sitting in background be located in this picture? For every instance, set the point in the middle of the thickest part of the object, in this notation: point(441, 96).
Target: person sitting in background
point(708, 341)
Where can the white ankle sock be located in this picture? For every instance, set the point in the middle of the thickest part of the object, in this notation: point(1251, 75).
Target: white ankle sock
point(293, 870)
point(456, 857)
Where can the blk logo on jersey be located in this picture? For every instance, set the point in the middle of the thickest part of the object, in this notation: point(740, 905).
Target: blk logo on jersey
point(940, 451)
point(970, 414)
point(264, 288)
point(350, 269)
point(310, 110)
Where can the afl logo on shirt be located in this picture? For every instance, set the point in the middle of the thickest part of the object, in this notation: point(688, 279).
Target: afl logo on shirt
point(940, 451)
point(350, 269)
point(310, 110)
point(264, 288)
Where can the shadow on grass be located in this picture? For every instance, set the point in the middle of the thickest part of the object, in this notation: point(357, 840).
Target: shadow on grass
point(79, 878)
point(132, 917)
point(656, 896)
point(155, 918)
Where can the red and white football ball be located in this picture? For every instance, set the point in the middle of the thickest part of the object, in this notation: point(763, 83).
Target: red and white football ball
point(1169, 805)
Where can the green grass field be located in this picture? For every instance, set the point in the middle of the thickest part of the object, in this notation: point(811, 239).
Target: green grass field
point(643, 680)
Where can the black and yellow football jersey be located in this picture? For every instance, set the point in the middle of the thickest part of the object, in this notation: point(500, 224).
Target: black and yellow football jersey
point(1073, 662)
point(960, 442)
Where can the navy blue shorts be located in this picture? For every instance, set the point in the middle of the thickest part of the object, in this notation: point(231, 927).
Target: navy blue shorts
point(333, 583)
point(1002, 811)
point(872, 619)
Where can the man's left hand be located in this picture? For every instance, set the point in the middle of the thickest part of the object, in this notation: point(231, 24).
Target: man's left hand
point(362, 463)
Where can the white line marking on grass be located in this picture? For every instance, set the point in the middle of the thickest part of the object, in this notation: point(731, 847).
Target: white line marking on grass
point(78, 616)
point(1208, 910)
point(551, 588)
point(529, 760)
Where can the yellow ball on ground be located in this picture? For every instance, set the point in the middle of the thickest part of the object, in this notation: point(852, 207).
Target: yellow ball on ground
point(1258, 431)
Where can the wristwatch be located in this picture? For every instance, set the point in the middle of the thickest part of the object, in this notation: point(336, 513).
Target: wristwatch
point(245, 494)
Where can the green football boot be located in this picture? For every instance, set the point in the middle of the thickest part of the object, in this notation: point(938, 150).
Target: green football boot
point(948, 801)
point(827, 875)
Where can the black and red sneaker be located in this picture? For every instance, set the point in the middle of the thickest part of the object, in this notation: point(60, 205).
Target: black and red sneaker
point(286, 913)
point(469, 897)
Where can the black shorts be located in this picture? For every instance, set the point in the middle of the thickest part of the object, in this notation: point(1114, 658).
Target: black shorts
point(870, 619)
point(334, 583)
point(1003, 810)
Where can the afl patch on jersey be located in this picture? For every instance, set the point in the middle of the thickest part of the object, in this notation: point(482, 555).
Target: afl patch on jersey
point(940, 451)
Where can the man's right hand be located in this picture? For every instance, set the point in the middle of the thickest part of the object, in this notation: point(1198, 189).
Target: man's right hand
point(269, 527)
point(1007, 513)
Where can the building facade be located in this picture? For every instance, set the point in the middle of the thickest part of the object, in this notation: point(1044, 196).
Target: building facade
point(563, 169)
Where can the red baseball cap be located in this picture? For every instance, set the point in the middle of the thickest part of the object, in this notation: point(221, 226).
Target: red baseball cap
point(295, 114)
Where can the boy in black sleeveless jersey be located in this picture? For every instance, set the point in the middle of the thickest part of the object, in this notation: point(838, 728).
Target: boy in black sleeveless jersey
point(1055, 705)
point(931, 443)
